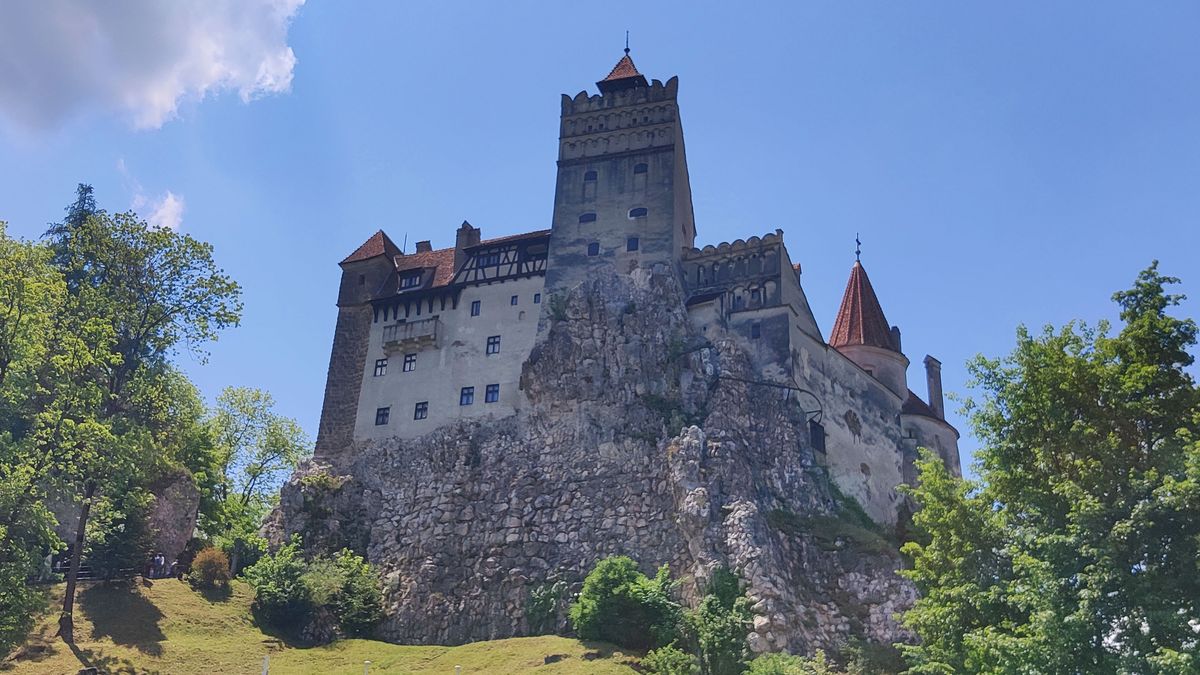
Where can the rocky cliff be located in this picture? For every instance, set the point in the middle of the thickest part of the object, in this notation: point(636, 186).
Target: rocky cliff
point(641, 438)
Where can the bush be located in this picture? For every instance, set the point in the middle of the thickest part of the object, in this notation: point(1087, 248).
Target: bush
point(292, 594)
point(621, 605)
point(719, 626)
point(280, 593)
point(210, 569)
point(669, 660)
point(786, 664)
point(541, 610)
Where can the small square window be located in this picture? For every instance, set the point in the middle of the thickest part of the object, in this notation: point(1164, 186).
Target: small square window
point(512, 300)
point(421, 411)
point(493, 344)
point(466, 396)
point(593, 248)
point(755, 331)
point(475, 308)
point(410, 362)
point(382, 415)
point(537, 298)
point(587, 218)
point(589, 175)
point(640, 168)
point(380, 367)
point(639, 212)
point(631, 244)
point(816, 432)
point(491, 394)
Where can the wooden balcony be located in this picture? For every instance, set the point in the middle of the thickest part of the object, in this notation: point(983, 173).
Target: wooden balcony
point(411, 334)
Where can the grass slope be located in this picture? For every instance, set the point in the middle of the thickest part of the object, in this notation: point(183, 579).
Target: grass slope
point(165, 627)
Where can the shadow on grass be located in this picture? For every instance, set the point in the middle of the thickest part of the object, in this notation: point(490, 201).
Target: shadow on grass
point(120, 612)
point(283, 635)
point(93, 658)
point(215, 593)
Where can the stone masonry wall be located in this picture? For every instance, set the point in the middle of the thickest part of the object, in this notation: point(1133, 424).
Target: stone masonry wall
point(637, 442)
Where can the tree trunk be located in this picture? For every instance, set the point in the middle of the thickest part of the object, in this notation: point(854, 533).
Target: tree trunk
point(66, 622)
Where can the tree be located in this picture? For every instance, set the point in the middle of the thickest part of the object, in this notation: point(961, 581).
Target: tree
point(136, 295)
point(621, 605)
point(1079, 548)
point(719, 625)
point(255, 449)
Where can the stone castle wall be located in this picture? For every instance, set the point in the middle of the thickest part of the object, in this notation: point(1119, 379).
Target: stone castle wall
point(637, 440)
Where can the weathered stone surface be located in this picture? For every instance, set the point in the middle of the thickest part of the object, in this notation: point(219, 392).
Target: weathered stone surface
point(173, 515)
point(641, 438)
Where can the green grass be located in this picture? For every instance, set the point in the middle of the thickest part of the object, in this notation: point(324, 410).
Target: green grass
point(165, 627)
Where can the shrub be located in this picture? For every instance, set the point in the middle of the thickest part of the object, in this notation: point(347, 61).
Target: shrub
point(541, 611)
point(210, 569)
point(786, 664)
point(669, 660)
point(359, 604)
point(280, 594)
point(719, 626)
point(621, 605)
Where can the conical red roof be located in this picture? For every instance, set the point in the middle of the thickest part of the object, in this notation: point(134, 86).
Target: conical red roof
point(860, 320)
point(622, 70)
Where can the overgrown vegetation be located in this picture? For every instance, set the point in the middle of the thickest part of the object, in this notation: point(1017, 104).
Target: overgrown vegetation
point(210, 569)
point(619, 604)
point(541, 610)
point(1076, 550)
point(292, 593)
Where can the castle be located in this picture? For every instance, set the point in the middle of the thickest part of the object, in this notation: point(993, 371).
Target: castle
point(433, 337)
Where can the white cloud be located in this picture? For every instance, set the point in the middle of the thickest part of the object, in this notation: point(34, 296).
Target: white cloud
point(141, 58)
point(163, 211)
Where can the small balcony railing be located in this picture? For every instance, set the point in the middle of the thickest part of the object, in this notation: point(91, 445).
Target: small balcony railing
point(411, 334)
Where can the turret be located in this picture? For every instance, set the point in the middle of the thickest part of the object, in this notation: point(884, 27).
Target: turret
point(862, 334)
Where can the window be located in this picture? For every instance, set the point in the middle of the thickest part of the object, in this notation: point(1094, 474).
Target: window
point(589, 175)
point(380, 367)
point(491, 394)
point(382, 415)
point(466, 396)
point(512, 300)
point(754, 296)
point(640, 168)
point(593, 248)
point(490, 259)
point(475, 308)
point(587, 218)
point(362, 279)
point(639, 212)
point(410, 281)
point(493, 344)
point(738, 301)
point(755, 330)
point(421, 411)
point(816, 433)
point(631, 244)
point(537, 298)
point(410, 362)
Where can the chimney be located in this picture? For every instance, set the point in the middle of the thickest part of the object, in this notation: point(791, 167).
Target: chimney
point(466, 237)
point(933, 375)
point(424, 246)
point(896, 338)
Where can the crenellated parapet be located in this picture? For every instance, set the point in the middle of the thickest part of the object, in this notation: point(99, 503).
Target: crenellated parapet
point(748, 270)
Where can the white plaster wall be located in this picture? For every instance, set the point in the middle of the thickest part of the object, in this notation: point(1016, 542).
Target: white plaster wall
point(889, 367)
point(935, 435)
point(459, 360)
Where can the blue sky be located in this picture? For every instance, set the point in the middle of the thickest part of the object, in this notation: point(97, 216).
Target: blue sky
point(1004, 163)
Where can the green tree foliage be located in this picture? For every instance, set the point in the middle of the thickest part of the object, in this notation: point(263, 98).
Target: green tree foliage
point(542, 608)
point(1078, 551)
point(90, 405)
point(786, 664)
point(289, 590)
point(118, 536)
point(621, 605)
point(719, 625)
point(670, 660)
point(254, 450)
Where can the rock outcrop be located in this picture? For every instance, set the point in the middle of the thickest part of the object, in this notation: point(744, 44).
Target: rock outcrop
point(641, 438)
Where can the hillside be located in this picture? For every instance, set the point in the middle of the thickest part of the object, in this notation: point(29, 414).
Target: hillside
point(164, 626)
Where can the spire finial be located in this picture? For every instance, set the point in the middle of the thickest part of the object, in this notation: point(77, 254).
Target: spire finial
point(627, 43)
point(857, 249)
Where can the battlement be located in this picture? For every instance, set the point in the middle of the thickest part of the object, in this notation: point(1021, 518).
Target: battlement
point(657, 92)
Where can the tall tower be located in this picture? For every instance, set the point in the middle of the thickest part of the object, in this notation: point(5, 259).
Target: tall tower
point(622, 198)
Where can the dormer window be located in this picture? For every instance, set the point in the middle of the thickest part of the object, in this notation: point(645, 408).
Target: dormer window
point(639, 212)
point(410, 280)
point(587, 218)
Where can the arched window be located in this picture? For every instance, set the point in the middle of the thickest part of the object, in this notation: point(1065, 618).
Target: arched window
point(639, 212)
point(587, 218)
point(594, 248)
point(589, 175)
point(640, 168)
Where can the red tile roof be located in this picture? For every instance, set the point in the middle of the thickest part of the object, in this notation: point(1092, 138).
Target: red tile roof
point(442, 260)
point(623, 69)
point(860, 320)
point(377, 245)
